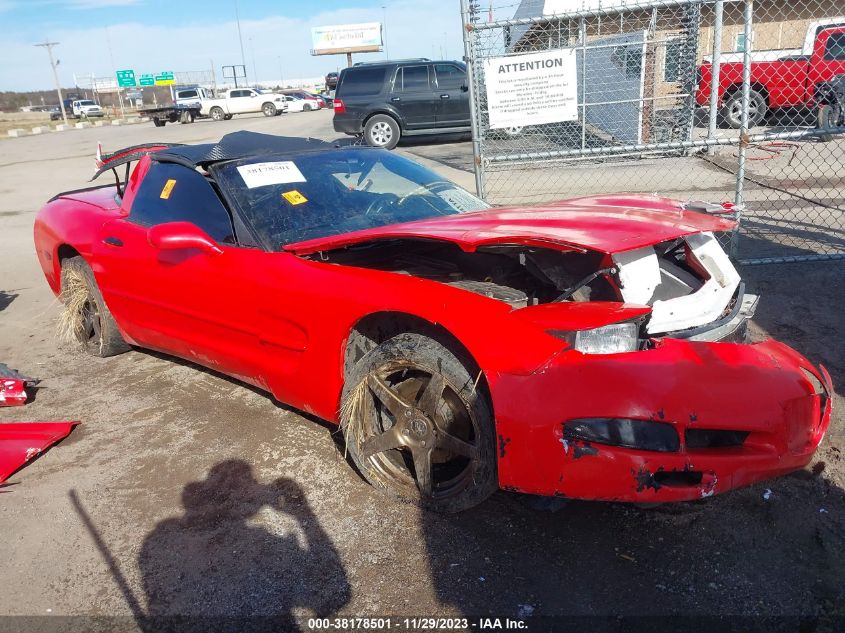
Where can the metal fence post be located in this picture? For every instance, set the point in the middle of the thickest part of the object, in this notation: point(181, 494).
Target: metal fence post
point(718, 18)
point(739, 199)
point(469, 60)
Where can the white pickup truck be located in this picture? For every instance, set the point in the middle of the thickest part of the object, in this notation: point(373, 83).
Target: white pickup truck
point(243, 101)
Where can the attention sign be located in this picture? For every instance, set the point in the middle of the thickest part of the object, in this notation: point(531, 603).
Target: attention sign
point(532, 89)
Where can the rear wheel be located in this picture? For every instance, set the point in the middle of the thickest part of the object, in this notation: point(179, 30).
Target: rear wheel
point(86, 318)
point(159, 122)
point(416, 425)
point(382, 131)
point(268, 109)
point(830, 116)
point(732, 109)
point(217, 113)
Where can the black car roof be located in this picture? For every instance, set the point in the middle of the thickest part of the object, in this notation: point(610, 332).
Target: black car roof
point(239, 145)
point(233, 146)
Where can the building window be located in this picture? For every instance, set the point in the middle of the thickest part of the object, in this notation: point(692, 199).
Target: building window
point(672, 64)
point(740, 41)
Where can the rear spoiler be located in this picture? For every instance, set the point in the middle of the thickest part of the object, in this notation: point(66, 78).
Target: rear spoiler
point(110, 162)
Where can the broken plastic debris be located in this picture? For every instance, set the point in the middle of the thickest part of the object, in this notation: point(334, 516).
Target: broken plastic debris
point(767, 494)
point(13, 386)
point(21, 442)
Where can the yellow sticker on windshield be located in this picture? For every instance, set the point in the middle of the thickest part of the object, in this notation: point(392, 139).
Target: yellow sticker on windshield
point(168, 187)
point(294, 197)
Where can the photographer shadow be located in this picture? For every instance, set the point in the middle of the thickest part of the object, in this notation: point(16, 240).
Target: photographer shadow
point(229, 563)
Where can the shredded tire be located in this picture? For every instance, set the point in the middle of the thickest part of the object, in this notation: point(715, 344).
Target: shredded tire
point(82, 303)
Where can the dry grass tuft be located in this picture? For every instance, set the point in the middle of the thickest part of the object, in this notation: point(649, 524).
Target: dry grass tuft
point(74, 295)
point(352, 414)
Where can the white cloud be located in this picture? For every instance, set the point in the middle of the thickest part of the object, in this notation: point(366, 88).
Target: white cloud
point(415, 28)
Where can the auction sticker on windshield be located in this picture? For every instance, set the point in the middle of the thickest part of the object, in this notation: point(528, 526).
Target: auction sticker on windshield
point(275, 173)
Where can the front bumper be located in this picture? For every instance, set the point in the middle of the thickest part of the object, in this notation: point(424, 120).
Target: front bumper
point(767, 391)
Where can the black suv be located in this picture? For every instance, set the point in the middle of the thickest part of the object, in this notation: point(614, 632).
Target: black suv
point(387, 100)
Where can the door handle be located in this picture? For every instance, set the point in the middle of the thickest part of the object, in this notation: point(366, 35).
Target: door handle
point(395, 99)
point(445, 96)
point(113, 241)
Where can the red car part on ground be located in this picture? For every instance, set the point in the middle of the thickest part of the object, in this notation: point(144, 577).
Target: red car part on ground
point(22, 442)
point(677, 416)
point(13, 386)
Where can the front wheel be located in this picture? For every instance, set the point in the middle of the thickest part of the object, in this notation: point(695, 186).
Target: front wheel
point(417, 426)
point(217, 114)
point(268, 109)
point(382, 131)
point(830, 116)
point(85, 317)
point(159, 122)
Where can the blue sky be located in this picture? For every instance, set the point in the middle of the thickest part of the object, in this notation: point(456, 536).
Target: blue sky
point(156, 35)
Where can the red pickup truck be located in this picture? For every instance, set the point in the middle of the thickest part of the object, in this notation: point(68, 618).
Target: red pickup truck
point(812, 76)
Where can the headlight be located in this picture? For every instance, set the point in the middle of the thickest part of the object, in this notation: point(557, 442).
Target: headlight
point(610, 339)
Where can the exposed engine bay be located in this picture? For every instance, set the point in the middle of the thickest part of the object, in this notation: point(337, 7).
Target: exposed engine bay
point(689, 282)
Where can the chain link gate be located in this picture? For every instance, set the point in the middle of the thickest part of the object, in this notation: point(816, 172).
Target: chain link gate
point(717, 100)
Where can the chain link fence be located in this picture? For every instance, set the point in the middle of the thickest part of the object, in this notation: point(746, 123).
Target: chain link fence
point(719, 100)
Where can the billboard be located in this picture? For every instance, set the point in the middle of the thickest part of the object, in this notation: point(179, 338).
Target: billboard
point(346, 38)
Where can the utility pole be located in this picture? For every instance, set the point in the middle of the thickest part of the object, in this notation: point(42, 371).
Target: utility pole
point(254, 67)
point(49, 46)
point(384, 31)
point(241, 40)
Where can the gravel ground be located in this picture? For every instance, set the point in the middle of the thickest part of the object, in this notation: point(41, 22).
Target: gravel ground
point(187, 492)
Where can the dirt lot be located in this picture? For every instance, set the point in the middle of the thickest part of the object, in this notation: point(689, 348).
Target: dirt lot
point(170, 454)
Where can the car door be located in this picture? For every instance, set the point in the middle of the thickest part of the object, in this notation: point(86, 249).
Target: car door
point(452, 96)
point(182, 301)
point(413, 97)
point(239, 101)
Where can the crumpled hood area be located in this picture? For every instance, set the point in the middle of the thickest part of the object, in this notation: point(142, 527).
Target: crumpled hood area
point(602, 224)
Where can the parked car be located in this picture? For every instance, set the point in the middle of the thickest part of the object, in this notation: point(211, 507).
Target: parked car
point(591, 348)
point(296, 103)
point(55, 113)
point(780, 79)
point(243, 101)
point(387, 100)
point(312, 101)
point(331, 81)
point(327, 99)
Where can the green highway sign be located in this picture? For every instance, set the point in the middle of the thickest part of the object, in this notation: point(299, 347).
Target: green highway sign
point(165, 78)
point(147, 80)
point(125, 78)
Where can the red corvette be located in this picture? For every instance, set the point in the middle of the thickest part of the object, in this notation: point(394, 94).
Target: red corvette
point(592, 348)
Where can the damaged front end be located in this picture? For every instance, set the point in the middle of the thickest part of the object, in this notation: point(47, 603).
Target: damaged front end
point(679, 421)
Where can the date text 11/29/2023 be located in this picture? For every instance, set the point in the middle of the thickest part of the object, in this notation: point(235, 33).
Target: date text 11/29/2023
point(414, 624)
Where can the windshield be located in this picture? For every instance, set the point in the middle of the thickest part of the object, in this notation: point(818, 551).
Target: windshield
point(314, 195)
point(82, 103)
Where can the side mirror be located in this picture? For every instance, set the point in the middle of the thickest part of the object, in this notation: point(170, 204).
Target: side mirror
point(182, 235)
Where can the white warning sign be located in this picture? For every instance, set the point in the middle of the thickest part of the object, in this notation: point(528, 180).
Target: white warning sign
point(532, 89)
